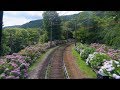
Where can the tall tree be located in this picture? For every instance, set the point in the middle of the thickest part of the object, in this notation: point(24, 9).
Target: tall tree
point(67, 28)
point(1, 22)
point(51, 23)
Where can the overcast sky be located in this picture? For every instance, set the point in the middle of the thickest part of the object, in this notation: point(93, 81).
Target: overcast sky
point(20, 17)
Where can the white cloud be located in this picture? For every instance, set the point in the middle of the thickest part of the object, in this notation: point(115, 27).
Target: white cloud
point(18, 13)
point(9, 21)
point(20, 17)
point(68, 12)
point(34, 13)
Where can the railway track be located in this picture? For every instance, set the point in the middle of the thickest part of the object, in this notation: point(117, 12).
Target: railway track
point(54, 67)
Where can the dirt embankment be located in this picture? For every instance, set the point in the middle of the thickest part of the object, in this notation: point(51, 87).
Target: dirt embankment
point(73, 70)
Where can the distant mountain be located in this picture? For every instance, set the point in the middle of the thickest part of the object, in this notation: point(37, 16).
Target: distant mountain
point(15, 26)
point(32, 24)
point(38, 23)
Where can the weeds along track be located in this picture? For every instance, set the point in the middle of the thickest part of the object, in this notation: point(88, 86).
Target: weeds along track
point(54, 67)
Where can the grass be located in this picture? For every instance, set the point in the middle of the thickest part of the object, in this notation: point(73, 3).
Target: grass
point(36, 63)
point(39, 60)
point(82, 65)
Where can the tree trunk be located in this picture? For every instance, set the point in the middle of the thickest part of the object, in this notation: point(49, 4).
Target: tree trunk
point(1, 22)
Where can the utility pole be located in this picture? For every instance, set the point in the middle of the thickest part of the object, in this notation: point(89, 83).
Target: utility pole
point(53, 24)
point(75, 31)
point(75, 34)
point(50, 33)
point(67, 33)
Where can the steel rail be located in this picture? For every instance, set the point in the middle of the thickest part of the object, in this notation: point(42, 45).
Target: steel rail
point(64, 66)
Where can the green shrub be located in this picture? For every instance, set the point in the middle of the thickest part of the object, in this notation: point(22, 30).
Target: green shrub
point(79, 47)
point(85, 52)
point(96, 59)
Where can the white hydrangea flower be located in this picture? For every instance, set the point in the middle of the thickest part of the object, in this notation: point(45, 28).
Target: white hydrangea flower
point(109, 69)
point(77, 48)
point(118, 65)
point(81, 51)
point(90, 57)
point(116, 76)
point(101, 72)
point(106, 63)
point(116, 62)
point(108, 66)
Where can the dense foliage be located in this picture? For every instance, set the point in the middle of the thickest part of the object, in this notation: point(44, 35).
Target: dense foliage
point(85, 52)
point(99, 27)
point(51, 24)
point(91, 26)
point(15, 39)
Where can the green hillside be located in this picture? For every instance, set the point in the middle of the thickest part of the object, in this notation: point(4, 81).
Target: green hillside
point(33, 24)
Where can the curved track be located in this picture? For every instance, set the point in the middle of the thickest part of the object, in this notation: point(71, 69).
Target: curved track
point(54, 67)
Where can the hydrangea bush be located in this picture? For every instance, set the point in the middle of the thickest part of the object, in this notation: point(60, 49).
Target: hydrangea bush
point(85, 52)
point(96, 59)
point(114, 54)
point(110, 68)
point(13, 67)
point(16, 66)
point(33, 52)
point(79, 47)
point(103, 59)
